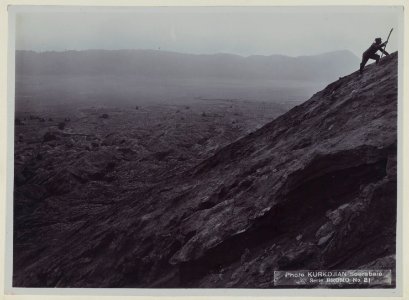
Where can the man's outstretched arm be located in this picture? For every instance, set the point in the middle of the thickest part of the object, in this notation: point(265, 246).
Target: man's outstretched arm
point(381, 46)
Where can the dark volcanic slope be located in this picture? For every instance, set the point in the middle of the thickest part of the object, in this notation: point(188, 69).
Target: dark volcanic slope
point(313, 189)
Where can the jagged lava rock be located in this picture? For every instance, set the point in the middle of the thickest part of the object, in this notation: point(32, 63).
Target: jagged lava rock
point(313, 189)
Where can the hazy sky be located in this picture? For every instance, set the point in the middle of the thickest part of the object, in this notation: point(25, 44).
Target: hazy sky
point(239, 30)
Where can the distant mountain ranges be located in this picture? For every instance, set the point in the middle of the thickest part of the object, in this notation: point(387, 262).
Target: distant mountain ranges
point(162, 65)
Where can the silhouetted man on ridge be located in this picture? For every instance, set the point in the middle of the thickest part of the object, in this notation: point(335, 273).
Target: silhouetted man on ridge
point(371, 53)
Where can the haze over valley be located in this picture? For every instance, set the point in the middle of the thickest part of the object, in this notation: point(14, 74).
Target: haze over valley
point(130, 77)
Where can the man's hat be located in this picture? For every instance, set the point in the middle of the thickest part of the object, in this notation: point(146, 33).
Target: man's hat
point(378, 40)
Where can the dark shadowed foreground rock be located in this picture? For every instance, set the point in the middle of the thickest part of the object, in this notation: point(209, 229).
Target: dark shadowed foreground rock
point(313, 189)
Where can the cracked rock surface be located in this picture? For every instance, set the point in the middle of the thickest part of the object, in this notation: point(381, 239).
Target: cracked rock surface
point(313, 189)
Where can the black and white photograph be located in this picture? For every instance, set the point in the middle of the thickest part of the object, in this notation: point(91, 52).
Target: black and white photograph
point(205, 148)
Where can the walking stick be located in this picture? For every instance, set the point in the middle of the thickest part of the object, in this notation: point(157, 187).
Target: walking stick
point(386, 42)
